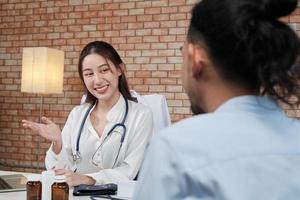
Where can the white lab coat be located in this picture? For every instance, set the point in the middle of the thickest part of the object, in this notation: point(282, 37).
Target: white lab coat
point(139, 124)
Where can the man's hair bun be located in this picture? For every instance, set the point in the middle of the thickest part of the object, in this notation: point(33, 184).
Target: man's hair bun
point(278, 8)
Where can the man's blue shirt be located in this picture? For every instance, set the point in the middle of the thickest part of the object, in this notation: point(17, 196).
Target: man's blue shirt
point(246, 150)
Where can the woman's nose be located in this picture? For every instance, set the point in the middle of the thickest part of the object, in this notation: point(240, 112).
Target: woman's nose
point(98, 78)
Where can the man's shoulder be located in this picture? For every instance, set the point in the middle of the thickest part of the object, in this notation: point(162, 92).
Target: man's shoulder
point(196, 122)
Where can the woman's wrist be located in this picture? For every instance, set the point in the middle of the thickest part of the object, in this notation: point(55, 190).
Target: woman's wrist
point(56, 146)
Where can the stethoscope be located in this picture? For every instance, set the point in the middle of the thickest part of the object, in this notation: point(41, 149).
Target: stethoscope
point(77, 156)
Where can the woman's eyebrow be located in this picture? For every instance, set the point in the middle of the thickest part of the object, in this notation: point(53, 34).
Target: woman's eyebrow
point(88, 69)
point(102, 65)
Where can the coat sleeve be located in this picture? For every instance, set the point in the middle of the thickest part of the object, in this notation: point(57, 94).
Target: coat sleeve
point(129, 167)
point(64, 159)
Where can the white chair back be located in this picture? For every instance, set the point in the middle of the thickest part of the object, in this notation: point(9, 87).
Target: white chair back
point(159, 107)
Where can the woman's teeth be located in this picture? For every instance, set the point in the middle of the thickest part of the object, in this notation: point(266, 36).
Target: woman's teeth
point(102, 89)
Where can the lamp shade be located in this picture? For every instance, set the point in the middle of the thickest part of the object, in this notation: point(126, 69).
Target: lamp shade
point(42, 70)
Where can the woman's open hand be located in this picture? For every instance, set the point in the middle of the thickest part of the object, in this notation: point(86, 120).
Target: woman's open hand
point(47, 129)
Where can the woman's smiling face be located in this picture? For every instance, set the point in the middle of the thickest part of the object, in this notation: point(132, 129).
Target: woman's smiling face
point(101, 77)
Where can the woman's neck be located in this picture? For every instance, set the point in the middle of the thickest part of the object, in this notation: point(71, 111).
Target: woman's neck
point(105, 106)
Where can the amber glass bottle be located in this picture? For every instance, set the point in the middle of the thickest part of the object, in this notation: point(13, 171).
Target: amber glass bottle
point(34, 187)
point(60, 188)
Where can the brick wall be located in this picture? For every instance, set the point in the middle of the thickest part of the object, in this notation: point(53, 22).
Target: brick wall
point(147, 34)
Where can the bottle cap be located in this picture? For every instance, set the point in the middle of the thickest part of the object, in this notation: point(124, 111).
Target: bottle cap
point(34, 177)
point(60, 178)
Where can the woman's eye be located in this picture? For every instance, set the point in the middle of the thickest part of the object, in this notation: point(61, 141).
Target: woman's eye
point(104, 70)
point(88, 74)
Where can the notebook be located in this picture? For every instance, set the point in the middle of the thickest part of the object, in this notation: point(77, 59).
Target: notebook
point(14, 182)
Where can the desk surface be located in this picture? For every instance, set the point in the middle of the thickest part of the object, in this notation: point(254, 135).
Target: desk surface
point(20, 195)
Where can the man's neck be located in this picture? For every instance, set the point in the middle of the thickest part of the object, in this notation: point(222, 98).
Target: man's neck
point(216, 96)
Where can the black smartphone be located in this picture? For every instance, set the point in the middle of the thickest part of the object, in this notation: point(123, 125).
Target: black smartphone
point(88, 190)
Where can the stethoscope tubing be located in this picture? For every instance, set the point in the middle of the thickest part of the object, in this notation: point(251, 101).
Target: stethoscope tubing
point(77, 155)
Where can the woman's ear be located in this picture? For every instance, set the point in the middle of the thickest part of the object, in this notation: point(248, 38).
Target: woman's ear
point(121, 69)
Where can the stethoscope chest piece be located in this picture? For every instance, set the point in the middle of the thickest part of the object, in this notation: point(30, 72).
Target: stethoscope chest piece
point(77, 157)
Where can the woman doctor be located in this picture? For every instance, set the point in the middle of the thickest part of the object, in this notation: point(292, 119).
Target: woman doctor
point(104, 139)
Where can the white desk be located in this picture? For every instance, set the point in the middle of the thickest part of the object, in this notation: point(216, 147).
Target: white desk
point(21, 195)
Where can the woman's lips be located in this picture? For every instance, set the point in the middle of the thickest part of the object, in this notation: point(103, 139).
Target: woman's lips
point(102, 89)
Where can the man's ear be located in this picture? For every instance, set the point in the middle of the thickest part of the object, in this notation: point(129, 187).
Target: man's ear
point(198, 58)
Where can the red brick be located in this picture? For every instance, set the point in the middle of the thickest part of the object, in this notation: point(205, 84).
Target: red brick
point(161, 17)
point(90, 14)
point(160, 74)
point(111, 6)
point(74, 28)
point(167, 66)
point(166, 52)
point(81, 8)
point(97, 20)
point(151, 81)
point(120, 12)
point(128, 19)
point(158, 46)
point(142, 74)
point(33, 5)
point(169, 24)
point(144, 18)
point(168, 81)
point(143, 32)
point(50, 23)
point(139, 25)
point(149, 53)
point(133, 53)
point(133, 67)
point(127, 5)
point(60, 29)
point(178, 16)
point(176, 31)
point(157, 88)
point(61, 16)
point(177, 3)
point(82, 21)
point(127, 33)
point(185, 9)
point(169, 10)
point(160, 3)
point(152, 11)
point(151, 24)
point(139, 11)
point(150, 39)
point(152, 67)
point(141, 88)
point(141, 45)
point(96, 7)
point(135, 81)
point(105, 13)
